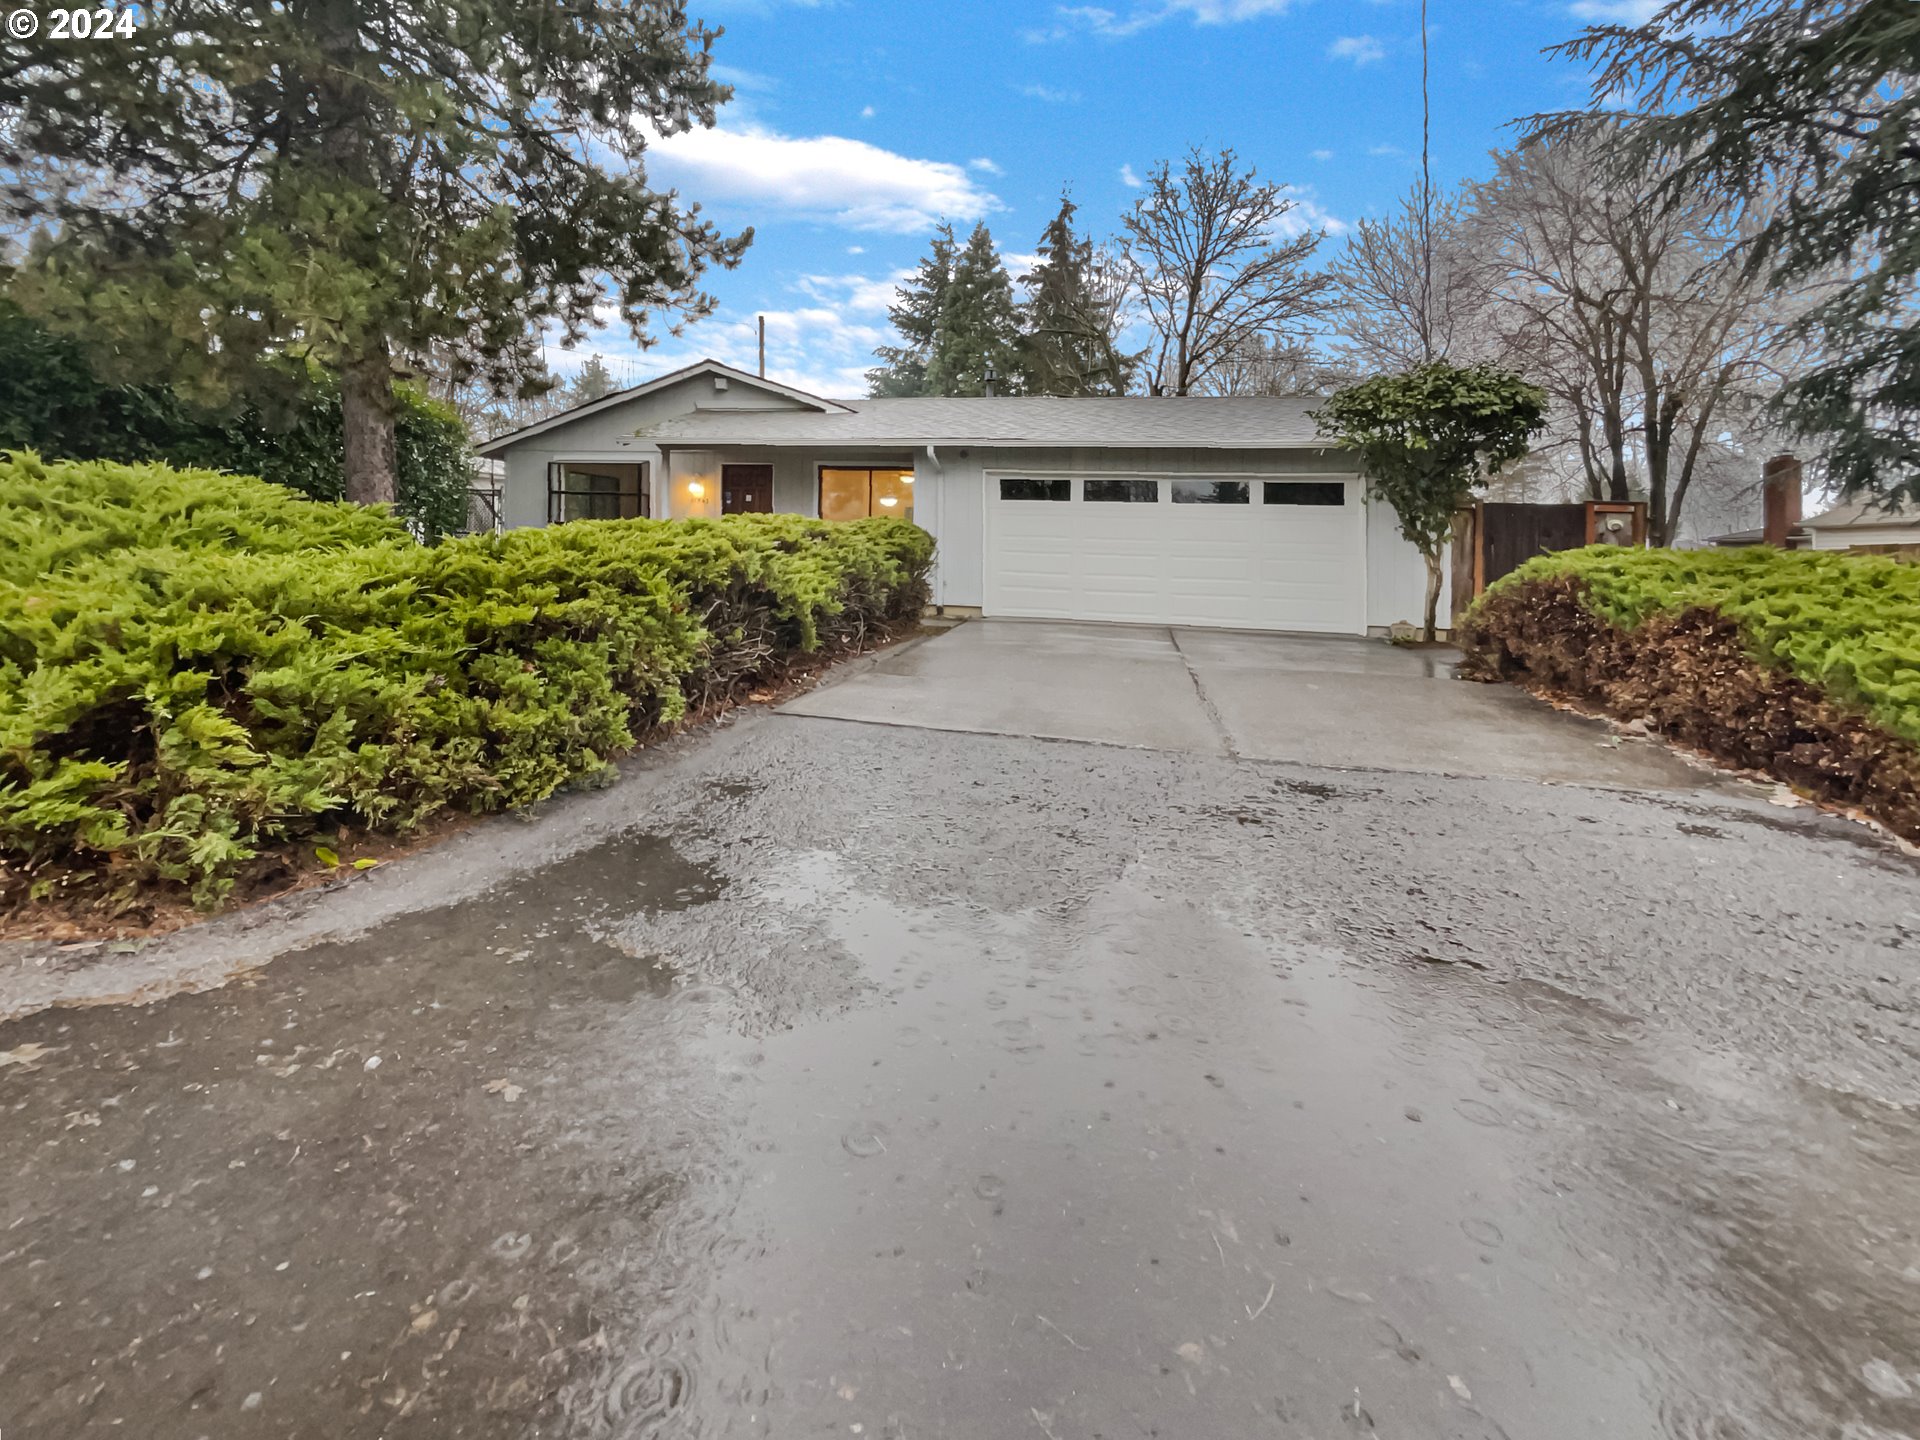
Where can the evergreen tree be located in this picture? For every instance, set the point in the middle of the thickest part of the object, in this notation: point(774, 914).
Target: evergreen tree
point(916, 316)
point(1070, 340)
point(979, 325)
point(594, 382)
point(229, 193)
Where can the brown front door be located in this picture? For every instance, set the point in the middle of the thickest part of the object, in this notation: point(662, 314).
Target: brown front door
point(746, 489)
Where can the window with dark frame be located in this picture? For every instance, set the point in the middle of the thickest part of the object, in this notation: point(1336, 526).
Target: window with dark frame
point(1212, 492)
point(1122, 492)
point(1304, 492)
point(1023, 489)
point(596, 490)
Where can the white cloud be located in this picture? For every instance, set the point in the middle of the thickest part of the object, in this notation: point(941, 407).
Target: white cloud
point(827, 177)
point(825, 348)
point(985, 166)
point(856, 249)
point(1360, 49)
point(1308, 214)
point(1385, 150)
point(741, 79)
point(1617, 12)
point(853, 294)
point(1323, 155)
point(1131, 180)
point(1070, 20)
point(1051, 95)
point(867, 112)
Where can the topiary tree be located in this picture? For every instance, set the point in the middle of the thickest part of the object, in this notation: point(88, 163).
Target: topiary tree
point(1429, 438)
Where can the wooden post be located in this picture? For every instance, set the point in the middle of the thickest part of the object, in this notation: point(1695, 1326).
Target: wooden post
point(1479, 548)
point(1780, 489)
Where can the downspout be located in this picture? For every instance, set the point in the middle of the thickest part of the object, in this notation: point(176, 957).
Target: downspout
point(939, 523)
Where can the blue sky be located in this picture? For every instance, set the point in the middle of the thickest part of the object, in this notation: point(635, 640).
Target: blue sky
point(858, 124)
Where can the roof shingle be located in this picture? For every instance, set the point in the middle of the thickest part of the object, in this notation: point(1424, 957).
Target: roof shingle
point(1201, 422)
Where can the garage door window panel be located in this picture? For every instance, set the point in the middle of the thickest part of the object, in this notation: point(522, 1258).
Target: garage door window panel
point(1122, 492)
point(1212, 492)
point(1017, 488)
point(1304, 492)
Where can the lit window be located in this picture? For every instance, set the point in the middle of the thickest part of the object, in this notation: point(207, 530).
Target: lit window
point(854, 493)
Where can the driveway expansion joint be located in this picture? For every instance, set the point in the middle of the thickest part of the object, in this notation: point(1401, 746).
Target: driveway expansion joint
point(1206, 700)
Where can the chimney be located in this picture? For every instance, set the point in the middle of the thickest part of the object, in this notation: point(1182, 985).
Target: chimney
point(1780, 486)
point(987, 377)
point(763, 346)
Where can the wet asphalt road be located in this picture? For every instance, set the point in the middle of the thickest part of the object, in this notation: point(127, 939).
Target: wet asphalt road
point(834, 1079)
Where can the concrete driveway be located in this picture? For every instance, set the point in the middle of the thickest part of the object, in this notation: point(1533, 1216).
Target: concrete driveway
point(884, 1081)
point(1346, 704)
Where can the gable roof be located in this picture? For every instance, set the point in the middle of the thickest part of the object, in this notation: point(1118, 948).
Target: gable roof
point(634, 392)
point(1851, 513)
point(1242, 422)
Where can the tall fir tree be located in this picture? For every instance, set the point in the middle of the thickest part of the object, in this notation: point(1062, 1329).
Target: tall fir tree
point(916, 316)
point(229, 195)
point(1069, 344)
point(594, 381)
point(979, 325)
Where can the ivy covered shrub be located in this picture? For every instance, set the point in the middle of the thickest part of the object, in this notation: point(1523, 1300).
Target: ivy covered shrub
point(1804, 664)
point(194, 666)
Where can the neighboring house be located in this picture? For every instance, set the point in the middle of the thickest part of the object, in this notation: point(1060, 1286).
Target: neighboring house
point(1797, 539)
point(1182, 511)
point(1855, 525)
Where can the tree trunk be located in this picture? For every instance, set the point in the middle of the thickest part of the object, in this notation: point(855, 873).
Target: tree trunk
point(1431, 633)
point(366, 420)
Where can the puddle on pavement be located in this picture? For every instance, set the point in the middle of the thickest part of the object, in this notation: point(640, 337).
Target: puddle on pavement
point(650, 1152)
point(359, 1194)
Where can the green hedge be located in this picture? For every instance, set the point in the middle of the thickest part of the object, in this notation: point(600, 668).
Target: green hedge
point(51, 401)
point(195, 665)
point(1847, 624)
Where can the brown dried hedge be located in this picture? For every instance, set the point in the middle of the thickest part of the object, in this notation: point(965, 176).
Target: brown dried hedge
point(1692, 676)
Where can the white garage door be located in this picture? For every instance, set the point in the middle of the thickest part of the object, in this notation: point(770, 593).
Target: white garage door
point(1259, 553)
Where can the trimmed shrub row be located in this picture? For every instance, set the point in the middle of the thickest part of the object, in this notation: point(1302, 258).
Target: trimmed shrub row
point(1802, 664)
point(194, 666)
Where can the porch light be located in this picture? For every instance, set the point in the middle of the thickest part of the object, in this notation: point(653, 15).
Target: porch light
point(888, 501)
point(906, 479)
point(696, 489)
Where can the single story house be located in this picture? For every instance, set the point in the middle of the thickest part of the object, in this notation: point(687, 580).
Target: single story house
point(1228, 511)
point(1855, 524)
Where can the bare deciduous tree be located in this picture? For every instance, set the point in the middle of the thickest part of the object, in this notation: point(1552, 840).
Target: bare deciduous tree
point(1406, 288)
point(1627, 304)
point(1218, 259)
point(1259, 366)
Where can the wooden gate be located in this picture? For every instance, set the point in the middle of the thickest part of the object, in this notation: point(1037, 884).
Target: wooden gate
point(1492, 540)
